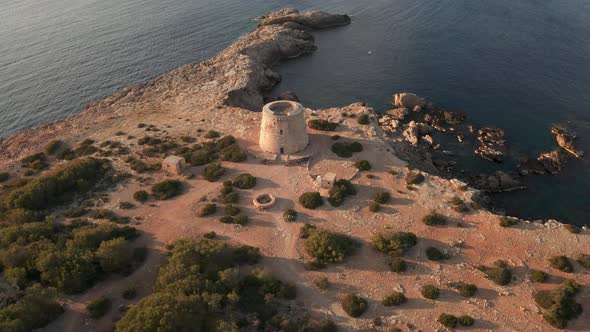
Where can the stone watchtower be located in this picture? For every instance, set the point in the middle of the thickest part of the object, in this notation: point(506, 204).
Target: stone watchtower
point(283, 129)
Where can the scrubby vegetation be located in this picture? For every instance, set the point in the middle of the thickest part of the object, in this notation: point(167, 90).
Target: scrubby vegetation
point(225, 148)
point(394, 299)
point(354, 305)
point(374, 207)
point(414, 178)
point(434, 254)
point(559, 304)
point(211, 134)
point(398, 265)
point(207, 210)
point(37, 308)
point(126, 205)
point(37, 161)
point(321, 283)
point(346, 150)
point(340, 190)
point(141, 196)
point(290, 215)
point(311, 200)
point(363, 119)
point(382, 197)
point(140, 166)
point(32, 201)
point(245, 181)
point(202, 288)
point(363, 165)
point(465, 289)
point(458, 205)
point(447, 320)
point(430, 292)
point(499, 273)
point(323, 125)
point(167, 189)
point(53, 147)
point(507, 222)
point(434, 219)
point(328, 247)
point(562, 263)
point(213, 172)
point(584, 260)
point(538, 276)
point(98, 307)
point(394, 244)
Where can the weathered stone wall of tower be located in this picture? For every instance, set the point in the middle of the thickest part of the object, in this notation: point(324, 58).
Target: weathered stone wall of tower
point(283, 129)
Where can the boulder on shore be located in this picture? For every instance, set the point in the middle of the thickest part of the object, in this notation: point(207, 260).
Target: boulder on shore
point(407, 100)
point(566, 141)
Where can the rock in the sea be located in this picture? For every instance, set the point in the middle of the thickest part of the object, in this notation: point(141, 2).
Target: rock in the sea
point(454, 118)
point(398, 113)
point(498, 182)
point(407, 100)
point(288, 95)
point(566, 141)
point(549, 162)
point(314, 19)
point(491, 144)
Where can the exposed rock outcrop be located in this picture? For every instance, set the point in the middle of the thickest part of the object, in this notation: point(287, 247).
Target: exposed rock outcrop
point(498, 182)
point(566, 141)
point(398, 113)
point(407, 100)
point(546, 163)
point(491, 144)
point(309, 20)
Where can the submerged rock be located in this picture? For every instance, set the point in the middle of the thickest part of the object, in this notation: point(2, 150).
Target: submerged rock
point(566, 141)
point(491, 144)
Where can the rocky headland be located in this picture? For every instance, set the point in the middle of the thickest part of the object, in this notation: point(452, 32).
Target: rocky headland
point(457, 242)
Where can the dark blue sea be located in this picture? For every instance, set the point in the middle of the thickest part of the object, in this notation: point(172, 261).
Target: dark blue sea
point(522, 65)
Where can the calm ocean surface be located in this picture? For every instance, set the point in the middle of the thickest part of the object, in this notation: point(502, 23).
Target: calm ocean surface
point(520, 65)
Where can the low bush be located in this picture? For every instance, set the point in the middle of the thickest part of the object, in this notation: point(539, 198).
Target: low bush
point(499, 273)
point(394, 244)
point(398, 265)
point(322, 125)
point(227, 219)
point(561, 263)
point(98, 307)
point(311, 200)
point(584, 260)
point(447, 320)
point(414, 178)
point(245, 181)
point(126, 205)
point(37, 308)
point(290, 215)
point(458, 205)
point(434, 219)
point(207, 210)
point(167, 189)
point(466, 320)
point(141, 196)
point(435, 254)
point(538, 276)
point(465, 289)
point(307, 230)
point(394, 299)
point(104, 214)
point(363, 119)
point(211, 134)
point(53, 147)
point(559, 304)
point(232, 210)
point(76, 212)
point(382, 197)
point(37, 161)
point(374, 207)
point(210, 235)
point(213, 172)
point(129, 293)
point(354, 305)
point(241, 219)
point(321, 283)
point(507, 222)
point(430, 292)
point(363, 165)
point(346, 150)
point(340, 190)
point(329, 247)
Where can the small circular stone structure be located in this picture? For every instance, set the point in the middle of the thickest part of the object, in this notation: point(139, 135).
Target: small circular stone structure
point(264, 201)
point(283, 129)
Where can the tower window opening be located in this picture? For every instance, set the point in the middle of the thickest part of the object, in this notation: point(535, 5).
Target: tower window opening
point(281, 131)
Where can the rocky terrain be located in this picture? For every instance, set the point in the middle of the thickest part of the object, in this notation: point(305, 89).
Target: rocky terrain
point(223, 94)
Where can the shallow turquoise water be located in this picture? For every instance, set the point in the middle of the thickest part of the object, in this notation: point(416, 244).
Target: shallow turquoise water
point(520, 65)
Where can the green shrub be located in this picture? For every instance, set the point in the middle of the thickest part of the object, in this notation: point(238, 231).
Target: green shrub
point(363, 119)
point(231, 210)
point(167, 189)
point(394, 244)
point(210, 235)
point(559, 304)
point(394, 299)
point(538, 276)
point(561, 263)
point(65, 154)
point(241, 219)
point(37, 161)
point(414, 178)
point(227, 219)
point(362, 165)
point(245, 181)
point(208, 210)
point(466, 320)
point(141, 196)
point(99, 307)
point(126, 205)
point(4, 176)
point(346, 150)
point(104, 214)
point(290, 215)
point(447, 320)
point(114, 255)
point(307, 230)
point(329, 247)
point(53, 146)
point(76, 212)
point(584, 260)
point(430, 292)
point(434, 219)
point(323, 125)
point(434, 254)
point(339, 191)
point(321, 283)
point(311, 200)
point(129, 293)
point(354, 305)
point(398, 265)
point(37, 308)
point(382, 197)
point(499, 274)
point(213, 172)
point(507, 222)
point(233, 153)
point(458, 205)
point(374, 207)
point(466, 290)
point(231, 197)
point(211, 134)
